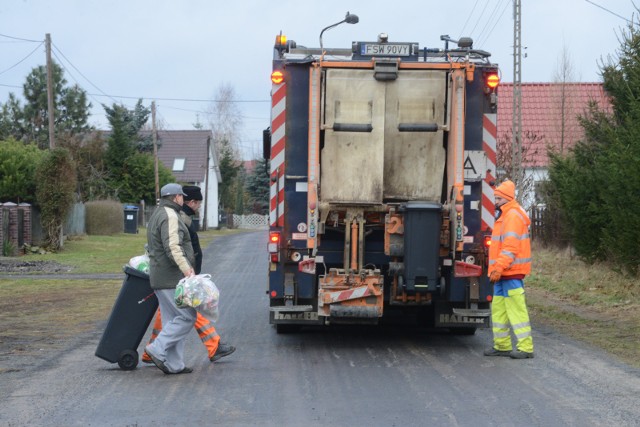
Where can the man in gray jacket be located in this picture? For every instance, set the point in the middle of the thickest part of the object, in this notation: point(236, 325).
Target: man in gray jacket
point(171, 258)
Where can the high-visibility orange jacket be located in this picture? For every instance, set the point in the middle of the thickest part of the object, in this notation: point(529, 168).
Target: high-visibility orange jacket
point(510, 250)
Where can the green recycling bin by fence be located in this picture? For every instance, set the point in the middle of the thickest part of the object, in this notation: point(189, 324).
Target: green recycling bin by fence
point(131, 219)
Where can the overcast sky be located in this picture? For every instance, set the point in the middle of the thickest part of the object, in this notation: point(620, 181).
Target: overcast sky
point(172, 51)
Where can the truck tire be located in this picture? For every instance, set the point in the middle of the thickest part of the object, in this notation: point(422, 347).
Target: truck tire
point(463, 331)
point(286, 329)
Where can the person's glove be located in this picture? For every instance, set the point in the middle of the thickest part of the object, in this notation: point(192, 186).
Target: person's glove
point(495, 276)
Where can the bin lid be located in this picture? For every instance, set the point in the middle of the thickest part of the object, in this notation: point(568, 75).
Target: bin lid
point(423, 205)
point(131, 207)
point(134, 272)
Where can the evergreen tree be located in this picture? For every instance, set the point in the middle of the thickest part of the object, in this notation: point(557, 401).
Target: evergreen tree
point(124, 141)
point(31, 122)
point(229, 170)
point(257, 187)
point(599, 182)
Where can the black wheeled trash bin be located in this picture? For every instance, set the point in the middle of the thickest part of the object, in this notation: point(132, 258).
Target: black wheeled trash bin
point(131, 219)
point(130, 317)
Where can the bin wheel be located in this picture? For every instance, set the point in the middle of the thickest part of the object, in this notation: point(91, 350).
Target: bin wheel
point(128, 360)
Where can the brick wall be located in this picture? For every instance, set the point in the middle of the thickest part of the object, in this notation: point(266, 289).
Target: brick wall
point(15, 224)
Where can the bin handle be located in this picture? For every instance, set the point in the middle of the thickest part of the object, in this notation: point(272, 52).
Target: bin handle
point(146, 298)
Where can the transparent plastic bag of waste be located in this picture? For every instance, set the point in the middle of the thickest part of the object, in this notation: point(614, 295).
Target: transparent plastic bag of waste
point(140, 262)
point(199, 292)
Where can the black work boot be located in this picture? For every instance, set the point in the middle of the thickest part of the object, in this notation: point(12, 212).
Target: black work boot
point(521, 355)
point(222, 351)
point(495, 352)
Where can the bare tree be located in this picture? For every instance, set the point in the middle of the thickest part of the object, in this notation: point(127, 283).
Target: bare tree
point(225, 120)
point(563, 107)
point(531, 147)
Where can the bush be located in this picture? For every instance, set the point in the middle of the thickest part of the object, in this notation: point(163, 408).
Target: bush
point(55, 188)
point(104, 217)
point(18, 163)
point(8, 248)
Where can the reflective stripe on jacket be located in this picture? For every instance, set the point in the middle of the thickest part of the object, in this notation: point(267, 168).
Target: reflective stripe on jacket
point(510, 250)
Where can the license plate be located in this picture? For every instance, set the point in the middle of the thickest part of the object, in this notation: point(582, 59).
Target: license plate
point(385, 49)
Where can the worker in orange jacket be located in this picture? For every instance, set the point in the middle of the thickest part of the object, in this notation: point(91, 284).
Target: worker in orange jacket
point(205, 329)
point(509, 263)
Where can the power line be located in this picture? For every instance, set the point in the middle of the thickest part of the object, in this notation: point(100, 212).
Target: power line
point(226, 101)
point(23, 59)
point(479, 18)
point(21, 39)
point(468, 17)
point(80, 72)
point(613, 13)
point(492, 14)
point(506, 6)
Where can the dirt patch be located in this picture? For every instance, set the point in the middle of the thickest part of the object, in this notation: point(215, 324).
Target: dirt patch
point(17, 266)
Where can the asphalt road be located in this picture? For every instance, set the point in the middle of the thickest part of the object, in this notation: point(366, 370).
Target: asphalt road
point(353, 376)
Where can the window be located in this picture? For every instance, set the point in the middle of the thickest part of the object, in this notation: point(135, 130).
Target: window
point(178, 165)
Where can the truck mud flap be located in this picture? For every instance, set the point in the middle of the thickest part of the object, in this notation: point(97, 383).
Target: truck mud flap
point(294, 314)
point(462, 318)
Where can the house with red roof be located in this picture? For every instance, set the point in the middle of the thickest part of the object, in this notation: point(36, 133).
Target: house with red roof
point(550, 114)
point(191, 157)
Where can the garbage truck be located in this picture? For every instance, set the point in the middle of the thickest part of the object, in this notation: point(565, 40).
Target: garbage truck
point(382, 165)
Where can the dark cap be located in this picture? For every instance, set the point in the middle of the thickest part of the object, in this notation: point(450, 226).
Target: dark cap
point(192, 192)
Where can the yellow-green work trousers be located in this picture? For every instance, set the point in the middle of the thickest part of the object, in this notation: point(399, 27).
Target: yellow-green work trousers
point(509, 311)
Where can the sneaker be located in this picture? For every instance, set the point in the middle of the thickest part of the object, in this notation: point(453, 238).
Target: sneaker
point(521, 355)
point(222, 351)
point(146, 358)
point(495, 352)
point(159, 363)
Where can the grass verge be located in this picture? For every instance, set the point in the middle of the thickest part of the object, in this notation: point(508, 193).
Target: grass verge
point(39, 316)
point(590, 303)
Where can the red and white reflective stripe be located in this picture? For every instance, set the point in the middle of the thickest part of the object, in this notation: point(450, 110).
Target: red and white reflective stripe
point(489, 134)
point(278, 122)
point(337, 296)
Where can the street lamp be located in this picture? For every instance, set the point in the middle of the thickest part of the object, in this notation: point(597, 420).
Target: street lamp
point(349, 19)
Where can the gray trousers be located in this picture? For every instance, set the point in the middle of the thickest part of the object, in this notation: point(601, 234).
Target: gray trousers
point(176, 324)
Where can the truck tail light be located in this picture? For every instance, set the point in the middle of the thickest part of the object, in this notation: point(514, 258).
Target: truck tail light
point(274, 246)
point(492, 80)
point(487, 241)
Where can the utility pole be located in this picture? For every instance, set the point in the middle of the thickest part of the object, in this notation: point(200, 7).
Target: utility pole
point(516, 137)
point(154, 133)
point(206, 185)
point(52, 141)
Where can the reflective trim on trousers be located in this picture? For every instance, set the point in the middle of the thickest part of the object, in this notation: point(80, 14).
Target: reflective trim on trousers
point(511, 310)
point(208, 337)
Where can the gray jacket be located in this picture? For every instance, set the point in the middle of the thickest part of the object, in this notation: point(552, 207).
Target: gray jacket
point(169, 246)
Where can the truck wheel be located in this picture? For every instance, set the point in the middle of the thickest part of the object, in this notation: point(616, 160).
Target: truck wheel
point(128, 360)
point(287, 329)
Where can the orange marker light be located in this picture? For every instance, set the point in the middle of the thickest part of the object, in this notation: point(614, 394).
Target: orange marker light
point(493, 81)
point(277, 77)
point(274, 237)
point(281, 40)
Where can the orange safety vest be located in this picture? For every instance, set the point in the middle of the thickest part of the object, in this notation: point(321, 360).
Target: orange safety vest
point(510, 250)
